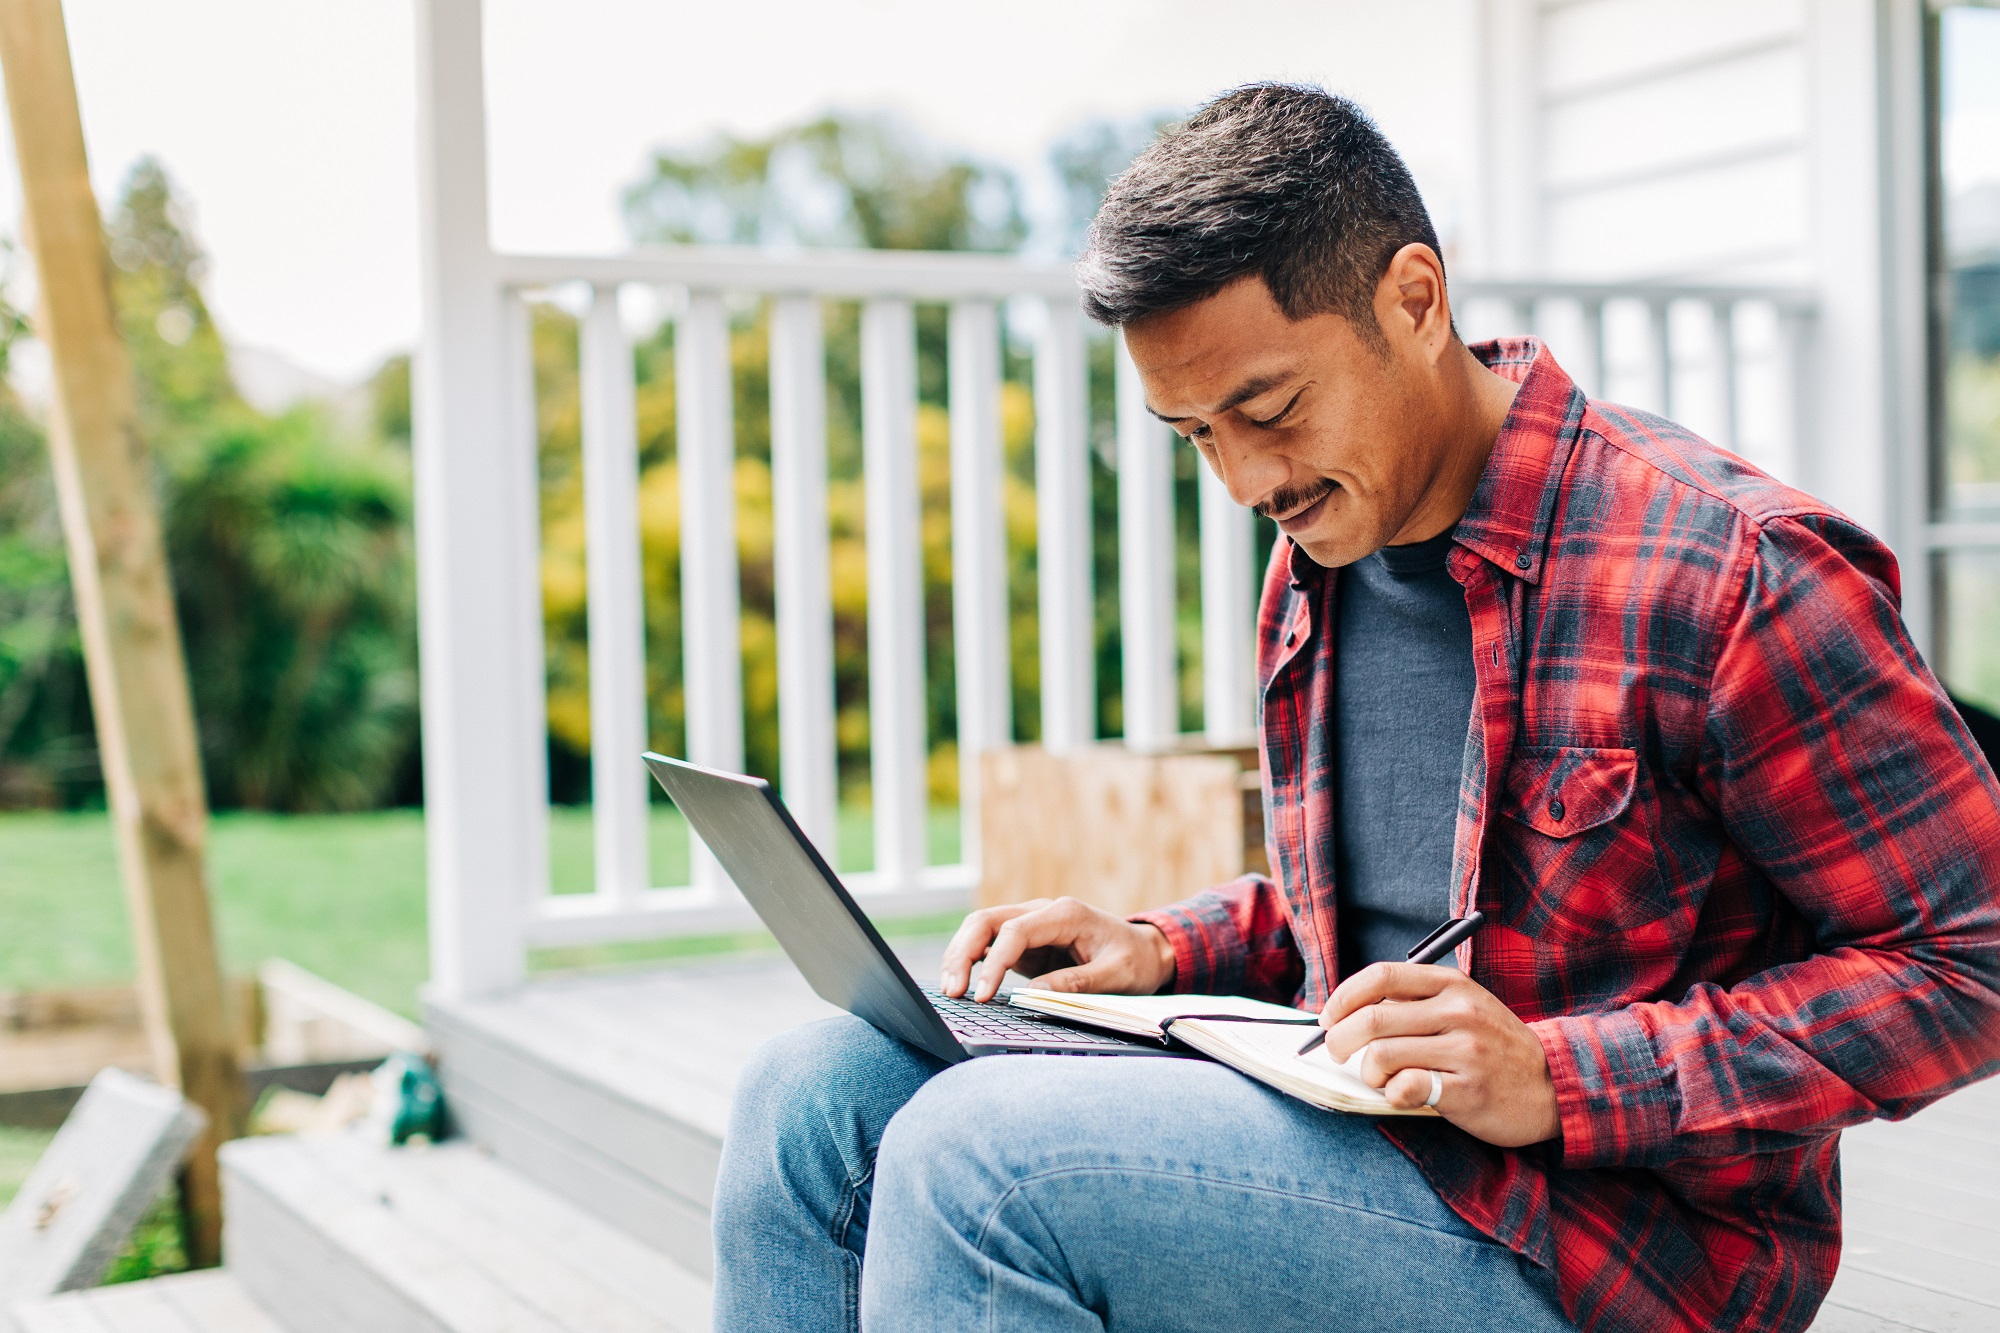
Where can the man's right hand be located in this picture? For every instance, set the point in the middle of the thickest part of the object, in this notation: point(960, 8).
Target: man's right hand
point(1087, 948)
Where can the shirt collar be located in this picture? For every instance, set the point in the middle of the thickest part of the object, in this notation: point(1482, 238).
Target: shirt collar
point(1508, 519)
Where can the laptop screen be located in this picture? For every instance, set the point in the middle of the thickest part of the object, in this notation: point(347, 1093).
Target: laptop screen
point(802, 901)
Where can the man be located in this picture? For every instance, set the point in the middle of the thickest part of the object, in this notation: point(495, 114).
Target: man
point(1652, 713)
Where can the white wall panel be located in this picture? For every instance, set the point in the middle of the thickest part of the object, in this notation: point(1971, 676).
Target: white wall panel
point(1700, 114)
point(1744, 223)
point(1606, 42)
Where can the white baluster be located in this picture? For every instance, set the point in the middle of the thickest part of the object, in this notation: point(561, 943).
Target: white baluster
point(896, 745)
point(1062, 527)
point(1521, 314)
point(1663, 355)
point(618, 781)
point(1599, 371)
point(1145, 566)
point(1723, 317)
point(711, 635)
point(1791, 460)
point(1228, 616)
point(978, 556)
point(800, 554)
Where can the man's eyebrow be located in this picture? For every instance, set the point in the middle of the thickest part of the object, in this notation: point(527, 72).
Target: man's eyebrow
point(1245, 391)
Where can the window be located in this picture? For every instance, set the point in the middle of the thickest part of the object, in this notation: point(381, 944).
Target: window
point(1965, 482)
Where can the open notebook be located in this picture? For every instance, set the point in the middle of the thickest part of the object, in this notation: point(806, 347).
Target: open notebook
point(1267, 1051)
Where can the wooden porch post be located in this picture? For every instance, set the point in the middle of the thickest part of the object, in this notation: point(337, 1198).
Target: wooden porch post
point(124, 601)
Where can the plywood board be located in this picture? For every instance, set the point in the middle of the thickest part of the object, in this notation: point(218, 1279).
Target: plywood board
point(1119, 830)
point(109, 1161)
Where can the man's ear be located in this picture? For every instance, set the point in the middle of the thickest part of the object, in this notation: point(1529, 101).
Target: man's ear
point(1411, 302)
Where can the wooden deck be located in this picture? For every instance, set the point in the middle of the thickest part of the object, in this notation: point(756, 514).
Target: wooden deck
point(208, 1302)
point(614, 1090)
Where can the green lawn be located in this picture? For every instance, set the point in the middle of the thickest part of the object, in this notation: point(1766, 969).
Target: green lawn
point(19, 1150)
point(342, 895)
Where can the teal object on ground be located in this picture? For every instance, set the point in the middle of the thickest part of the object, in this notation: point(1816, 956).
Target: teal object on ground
point(420, 1107)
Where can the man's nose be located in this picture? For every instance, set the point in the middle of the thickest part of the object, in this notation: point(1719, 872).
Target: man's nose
point(1249, 476)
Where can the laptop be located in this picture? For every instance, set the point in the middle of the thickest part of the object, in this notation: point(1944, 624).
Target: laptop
point(833, 942)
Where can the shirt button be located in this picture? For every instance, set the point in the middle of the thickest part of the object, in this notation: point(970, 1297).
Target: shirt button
point(1556, 811)
point(1291, 639)
point(1521, 561)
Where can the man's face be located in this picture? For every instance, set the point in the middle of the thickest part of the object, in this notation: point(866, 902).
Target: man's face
point(1303, 421)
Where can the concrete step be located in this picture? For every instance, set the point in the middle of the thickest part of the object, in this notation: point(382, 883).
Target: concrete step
point(335, 1235)
point(613, 1090)
point(207, 1302)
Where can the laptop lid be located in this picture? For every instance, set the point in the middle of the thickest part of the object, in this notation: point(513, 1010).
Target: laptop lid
point(802, 901)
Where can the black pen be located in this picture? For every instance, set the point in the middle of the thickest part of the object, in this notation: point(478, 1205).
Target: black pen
point(1429, 949)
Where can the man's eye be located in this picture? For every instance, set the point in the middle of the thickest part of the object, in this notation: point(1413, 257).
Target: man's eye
point(1283, 412)
point(1200, 432)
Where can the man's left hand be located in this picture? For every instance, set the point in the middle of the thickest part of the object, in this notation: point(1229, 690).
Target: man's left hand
point(1496, 1077)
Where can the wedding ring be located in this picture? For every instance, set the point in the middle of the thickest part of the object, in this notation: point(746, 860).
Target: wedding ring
point(1437, 1088)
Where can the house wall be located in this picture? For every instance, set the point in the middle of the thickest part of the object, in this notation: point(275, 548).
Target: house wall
point(1731, 141)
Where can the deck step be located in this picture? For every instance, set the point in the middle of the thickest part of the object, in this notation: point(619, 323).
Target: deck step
point(613, 1090)
point(335, 1235)
point(207, 1302)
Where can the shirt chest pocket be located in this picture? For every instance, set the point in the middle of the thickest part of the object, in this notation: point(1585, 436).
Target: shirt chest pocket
point(1576, 854)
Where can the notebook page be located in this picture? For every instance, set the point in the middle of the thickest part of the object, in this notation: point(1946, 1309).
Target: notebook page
point(1270, 1055)
point(1142, 1015)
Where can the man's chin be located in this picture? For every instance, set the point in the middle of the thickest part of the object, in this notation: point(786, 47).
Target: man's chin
point(1336, 539)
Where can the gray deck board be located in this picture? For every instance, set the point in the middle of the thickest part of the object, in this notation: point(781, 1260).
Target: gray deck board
point(338, 1236)
point(1921, 1196)
point(575, 1168)
point(206, 1302)
point(613, 1090)
point(1897, 1302)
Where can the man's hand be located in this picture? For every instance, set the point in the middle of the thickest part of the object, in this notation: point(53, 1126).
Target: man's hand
point(1062, 943)
point(1496, 1077)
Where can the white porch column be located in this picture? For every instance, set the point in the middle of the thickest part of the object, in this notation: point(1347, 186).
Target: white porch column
point(478, 543)
point(1506, 238)
point(1864, 447)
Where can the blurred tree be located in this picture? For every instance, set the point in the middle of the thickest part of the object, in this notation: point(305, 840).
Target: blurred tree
point(1088, 158)
point(178, 357)
point(290, 554)
point(291, 563)
point(836, 181)
point(46, 750)
point(389, 401)
point(841, 180)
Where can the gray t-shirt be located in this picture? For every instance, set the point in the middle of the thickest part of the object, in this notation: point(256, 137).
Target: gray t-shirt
point(1404, 695)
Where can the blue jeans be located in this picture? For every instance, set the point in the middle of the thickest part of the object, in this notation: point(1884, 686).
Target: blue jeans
point(865, 1183)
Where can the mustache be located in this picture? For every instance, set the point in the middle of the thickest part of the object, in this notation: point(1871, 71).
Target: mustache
point(1293, 499)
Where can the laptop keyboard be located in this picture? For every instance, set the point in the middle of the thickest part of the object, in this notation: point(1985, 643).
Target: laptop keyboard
point(986, 1024)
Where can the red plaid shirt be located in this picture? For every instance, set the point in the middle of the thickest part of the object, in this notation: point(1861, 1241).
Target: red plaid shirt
point(1740, 858)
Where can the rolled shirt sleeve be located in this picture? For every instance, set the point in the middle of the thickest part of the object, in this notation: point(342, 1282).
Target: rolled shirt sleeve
point(1235, 939)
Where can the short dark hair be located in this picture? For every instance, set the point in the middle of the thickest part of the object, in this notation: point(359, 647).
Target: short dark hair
point(1288, 182)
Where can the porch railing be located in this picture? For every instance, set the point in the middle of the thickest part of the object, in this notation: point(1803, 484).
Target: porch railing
point(889, 286)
